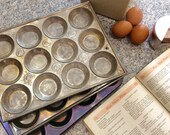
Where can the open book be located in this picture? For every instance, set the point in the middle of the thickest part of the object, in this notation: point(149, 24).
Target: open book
point(140, 107)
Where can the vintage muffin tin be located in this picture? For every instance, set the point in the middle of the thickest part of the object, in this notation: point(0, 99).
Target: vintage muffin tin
point(52, 58)
point(32, 121)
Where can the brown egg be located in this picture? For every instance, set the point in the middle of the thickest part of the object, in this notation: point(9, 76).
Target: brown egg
point(121, 29)
point(134, 15)
point(139, 34)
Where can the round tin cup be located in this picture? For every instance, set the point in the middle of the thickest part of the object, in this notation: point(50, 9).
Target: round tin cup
point(80, 18)
point(54, 27)
point(16, 98)
point(85, 92)
point(91, 40)
point(64, 50)
point(29, 36)
point(75, 75)
point(88, 101)
point(62, 119)
point(103, 64)
point(57, 106)
point(47, 86)
point(37, 60)
point(6, 46)
point(10, 71)
point(39, 131)
point(27, 121)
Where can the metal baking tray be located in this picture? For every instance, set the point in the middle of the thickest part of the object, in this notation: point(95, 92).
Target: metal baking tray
point(52, 58)
point(26, 124)
point(64, 121)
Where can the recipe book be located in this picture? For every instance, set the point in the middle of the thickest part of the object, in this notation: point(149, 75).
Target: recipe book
point(140, 107)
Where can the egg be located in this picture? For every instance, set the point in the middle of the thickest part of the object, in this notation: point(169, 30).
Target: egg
point(121, 29)
point(134, 15)
point(139, 34)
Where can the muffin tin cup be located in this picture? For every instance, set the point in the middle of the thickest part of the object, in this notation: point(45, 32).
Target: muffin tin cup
point(16, 98)
point(37, 60)
point(10, 71)
point(29, 36)
point(80, 18)
point(27, 120)
point(47, 86)
point(103, 64)
point(39, 131)
point(6, 46)
point(75, 75)
point(54, 27)
point(88, 101)
point(58, 105)
point(64, 50)
point(91, 40)
point(62, 119)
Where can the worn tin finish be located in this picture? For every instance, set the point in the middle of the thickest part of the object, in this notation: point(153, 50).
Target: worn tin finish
point(32, 121)
point(53, 58)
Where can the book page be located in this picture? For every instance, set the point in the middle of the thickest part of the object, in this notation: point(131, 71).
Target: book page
point(130, 111)
point(156, 77)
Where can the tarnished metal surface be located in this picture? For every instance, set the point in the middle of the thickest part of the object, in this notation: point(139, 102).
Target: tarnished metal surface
point(32, 121)
point(46, 59)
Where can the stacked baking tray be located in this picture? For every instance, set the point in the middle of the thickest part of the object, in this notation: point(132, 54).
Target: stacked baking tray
point(30, 122)
point(52, 58)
